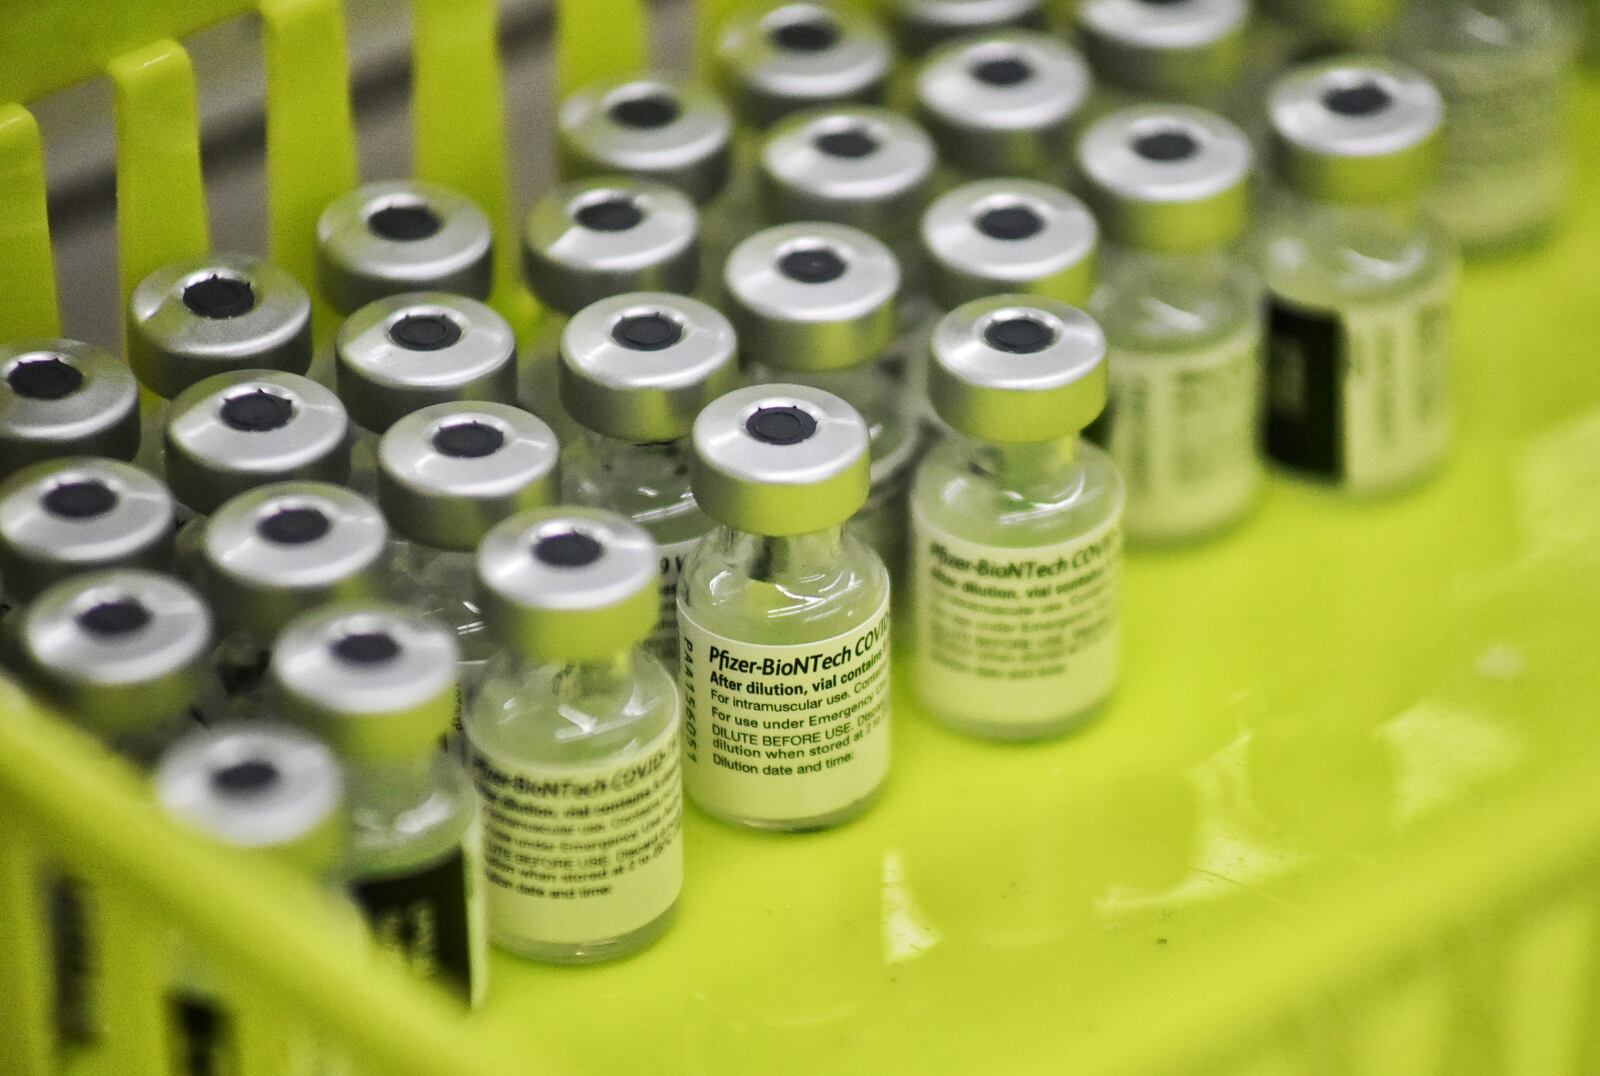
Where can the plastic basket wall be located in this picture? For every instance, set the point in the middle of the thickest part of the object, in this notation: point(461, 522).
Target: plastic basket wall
point(1340, 820)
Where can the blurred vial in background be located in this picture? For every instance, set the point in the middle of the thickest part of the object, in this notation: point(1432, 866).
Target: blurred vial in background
point(775, 59)
point(589, 240)
point(814, 304)
point(1300, 30)
point(1166, 51)
point(1361, 280)
point(921, 25)
point(204, 316)
point(64, 398)
point(575, 715)
point(1016, 524)
point(1502, 67)
point(635, 371)
point(269, 555)
point(403, 353)
point(446, 474)
point(1183, 315)
point(378, 684)
point(1003, 104)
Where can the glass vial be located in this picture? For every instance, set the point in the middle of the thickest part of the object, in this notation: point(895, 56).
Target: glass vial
point(1016, 525)
point(1361, 281)
point(378, 684)
point(814, 303)
point(69, 516)
point(1183, 315)
point(922, 25)
point(635, 371)
point(575, 740)
point(589, 240)
point(204, 316)
point(64, 398)
point(446, 474)
point(1003, 104)
point(778, 58)
point(1166, 52)
point(783, 616)
point(1502, 68)
point(396, 355)
point(269, 555)
point(267, 789)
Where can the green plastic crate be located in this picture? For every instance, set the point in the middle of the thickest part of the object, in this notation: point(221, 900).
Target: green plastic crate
point(1341, 818)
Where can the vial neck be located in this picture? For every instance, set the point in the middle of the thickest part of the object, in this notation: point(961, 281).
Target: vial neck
point(640, 457)
point(792, 557)
point(1403, 213)
point(597, 678)
point(1035, 467)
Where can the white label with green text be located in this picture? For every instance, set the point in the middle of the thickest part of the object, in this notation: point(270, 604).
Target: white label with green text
point(784, 733)
point(1015, 636)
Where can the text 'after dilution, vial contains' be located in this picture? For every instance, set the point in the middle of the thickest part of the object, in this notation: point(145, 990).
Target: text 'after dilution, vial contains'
point(783, 616)
point(1182, 314)
point(575, 740)
point(1360, 279)
point(1016, 525)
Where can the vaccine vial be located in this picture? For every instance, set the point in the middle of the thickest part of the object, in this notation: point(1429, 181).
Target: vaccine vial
point(921, 25)
point(866, 167)
point(1016, 525)
point(814, 303)
point(446, 474)
point(783, 616)
point(80, 514)
point(190, 320)
point(661, 128)
point(1501, 67)
point(1003, 104)
point(635, 371)
point(1360, 279)
point(576, 726)
point(378, 684)
point(589, 240)
point(403, 353)
point(1189, 52)
point(1183, 314)
point(64, 398)
point(269, 555)
point(1313, 28)
point(267, 789)
point(778, 58)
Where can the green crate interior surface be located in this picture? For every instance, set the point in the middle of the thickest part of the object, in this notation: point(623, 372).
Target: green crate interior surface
point(1341, 818)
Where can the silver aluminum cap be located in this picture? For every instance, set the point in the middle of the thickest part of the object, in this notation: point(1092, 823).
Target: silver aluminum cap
point(119, 650)
point(1003, 104)
point(204, 316)
point(236, 431)
point(449, 472)
point(1017, 369)
point(64, 398)
point(398, 354)
point(570, 584)
point(1169, 48)
point(594, 238)
point(780, 460)
point(920, 25)
point(858, 165)
point(80, 514)
point(639, 367)
point(812, 296)
point(376, 681)
point(397, 236)
point(775, 59)
point(272, 553)
point(259, 786)
point(1167, 177)
point(1009, 235)
point(1356, 129)
point(659, 127)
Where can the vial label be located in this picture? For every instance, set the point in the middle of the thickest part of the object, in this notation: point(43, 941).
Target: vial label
point(1361, 395)
point(1184, 434)
point(782, 734)
point(1016, 637)
point(579, 854)
point(432, 917)
point(664, 643)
